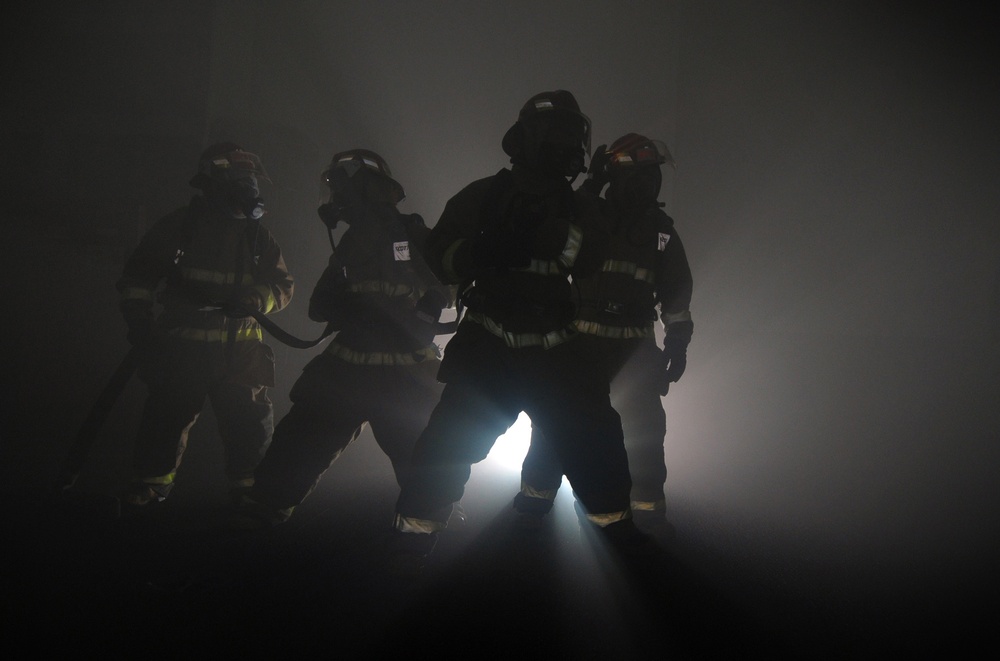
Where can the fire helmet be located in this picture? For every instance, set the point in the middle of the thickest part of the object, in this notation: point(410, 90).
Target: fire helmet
point(352, 161)
point(354, 180)
point(547, 121)
point(226, 161)
point(634, 149)
point(228, 176)
point(632, 166)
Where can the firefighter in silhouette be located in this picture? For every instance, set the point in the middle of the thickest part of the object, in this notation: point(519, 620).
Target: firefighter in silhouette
point(215, 261)
point(512, 241)
point(644, 276)
point(380, 368)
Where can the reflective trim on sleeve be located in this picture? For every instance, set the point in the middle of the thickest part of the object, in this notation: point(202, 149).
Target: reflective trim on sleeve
point(381, 357)
point(674, 317)
point(613, 332)
point(574, 239)
point(544, 494)
point(604, 520)
point(628, 268)
point(244, 482)
point(214, 277)
point(541, 267)
point(137, 294)
point(161, 480)
point(649, 505)
point(420, 526)
point(520, 340)
point(380, 287)
point(216, 334)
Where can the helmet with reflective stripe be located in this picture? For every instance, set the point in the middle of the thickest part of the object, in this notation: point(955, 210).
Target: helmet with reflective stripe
point(226, 161)
point(353, 161)
point(634, 149)
point(632, 167)
point(557, 105)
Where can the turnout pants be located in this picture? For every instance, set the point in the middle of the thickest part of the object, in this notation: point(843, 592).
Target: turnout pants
point(636, 367)
point(179, 384)
point(331, 403)
point(488, 385)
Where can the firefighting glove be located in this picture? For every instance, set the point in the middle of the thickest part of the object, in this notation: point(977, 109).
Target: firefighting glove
point(249, 300)
point(428, 308)
point(598, 174)
point(674, 362)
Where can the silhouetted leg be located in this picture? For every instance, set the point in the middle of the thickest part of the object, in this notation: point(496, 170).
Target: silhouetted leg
point(409, 395)
point(246, 422)
point(461, 431)
point(327, 414)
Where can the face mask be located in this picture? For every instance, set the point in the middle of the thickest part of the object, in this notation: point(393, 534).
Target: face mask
point(345, 202)
point(560, 160)
point(554, 145)
point(237, 198)
point(635, 188)
point(245, 197)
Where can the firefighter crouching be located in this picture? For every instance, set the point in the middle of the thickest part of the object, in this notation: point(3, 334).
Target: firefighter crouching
point(518, 235)
point(646, 274)
point(214, 260)
point(381, 367)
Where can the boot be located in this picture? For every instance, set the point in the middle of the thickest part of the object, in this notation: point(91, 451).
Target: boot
point(141, 494)
point(407, 553)
point(250, 514)
point(530, 512)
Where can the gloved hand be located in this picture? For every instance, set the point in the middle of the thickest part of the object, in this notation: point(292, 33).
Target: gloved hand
point(674, 362)
point(428, 308)
point(597, 174)
point(249, 300)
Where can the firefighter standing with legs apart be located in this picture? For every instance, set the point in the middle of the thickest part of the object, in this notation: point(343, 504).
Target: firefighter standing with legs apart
point(381, 367)
point(215, 261)
point(516, 237)
point(646, 274)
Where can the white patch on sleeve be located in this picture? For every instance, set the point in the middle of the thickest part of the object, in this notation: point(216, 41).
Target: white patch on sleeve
point(664, 239)
point(401, 251)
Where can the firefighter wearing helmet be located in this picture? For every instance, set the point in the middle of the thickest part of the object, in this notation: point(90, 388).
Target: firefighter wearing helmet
point(645, 276)
point(205, 267)
point(512, 241)
point(380, 368)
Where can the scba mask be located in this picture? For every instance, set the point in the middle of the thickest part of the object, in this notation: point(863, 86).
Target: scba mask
point(633, 168)
point(635, 188)
point(244, 197)
point(556, 144)
point(343, 199)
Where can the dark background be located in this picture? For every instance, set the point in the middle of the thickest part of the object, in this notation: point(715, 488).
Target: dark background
point(833, 445)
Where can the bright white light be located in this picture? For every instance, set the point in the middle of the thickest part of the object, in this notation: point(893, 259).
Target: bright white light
point(509, 450)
